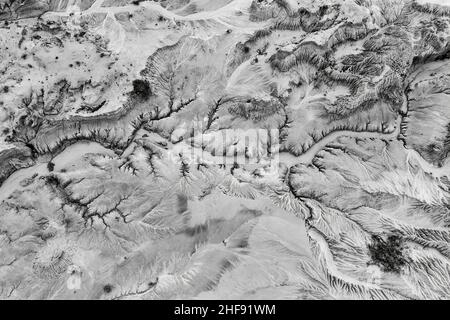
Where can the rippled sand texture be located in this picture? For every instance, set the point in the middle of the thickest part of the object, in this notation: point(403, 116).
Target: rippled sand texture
point(346, 196)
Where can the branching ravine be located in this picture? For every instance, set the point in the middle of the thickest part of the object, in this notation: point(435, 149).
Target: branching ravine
point(144, 121)
point(83, 204)
point(308, 156)
point(131, 293)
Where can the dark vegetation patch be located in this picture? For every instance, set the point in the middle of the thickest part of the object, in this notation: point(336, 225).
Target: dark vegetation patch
point(107, 288)
point(50, 166)
point(387, 253)
point(438, 151)
point(141, 89)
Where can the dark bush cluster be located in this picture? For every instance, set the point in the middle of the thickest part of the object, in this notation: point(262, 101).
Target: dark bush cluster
point(387, 254)
point(141, 89)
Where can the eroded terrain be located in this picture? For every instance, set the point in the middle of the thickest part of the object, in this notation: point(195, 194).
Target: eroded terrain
point(343, 193)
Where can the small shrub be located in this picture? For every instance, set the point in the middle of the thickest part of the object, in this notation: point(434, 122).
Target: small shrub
point(50, 166)
point(141, 89)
